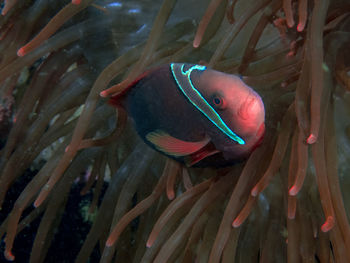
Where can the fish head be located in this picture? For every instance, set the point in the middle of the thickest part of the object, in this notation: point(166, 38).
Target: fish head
point(239, 106)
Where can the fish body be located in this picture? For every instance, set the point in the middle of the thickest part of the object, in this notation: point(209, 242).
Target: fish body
point(195, 115)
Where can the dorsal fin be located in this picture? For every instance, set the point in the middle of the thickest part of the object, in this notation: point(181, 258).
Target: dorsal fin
point(114, 100)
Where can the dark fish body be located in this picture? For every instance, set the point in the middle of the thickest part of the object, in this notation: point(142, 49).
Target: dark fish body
point(192, 114)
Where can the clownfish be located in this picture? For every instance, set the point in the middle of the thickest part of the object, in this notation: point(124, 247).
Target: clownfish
point(193, 114)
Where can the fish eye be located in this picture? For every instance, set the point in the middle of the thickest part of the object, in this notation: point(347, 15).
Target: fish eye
point(218, 102)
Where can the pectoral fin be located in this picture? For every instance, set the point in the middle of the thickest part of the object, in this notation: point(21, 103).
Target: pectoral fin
point(173, 146)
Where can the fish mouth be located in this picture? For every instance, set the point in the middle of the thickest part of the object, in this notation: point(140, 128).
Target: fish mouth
point(260, 133)
point(258, 138)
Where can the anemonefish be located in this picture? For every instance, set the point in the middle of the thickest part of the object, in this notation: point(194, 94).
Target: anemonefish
point(196, 115)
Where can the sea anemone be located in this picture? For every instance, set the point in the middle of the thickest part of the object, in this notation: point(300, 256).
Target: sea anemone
point(286, 202)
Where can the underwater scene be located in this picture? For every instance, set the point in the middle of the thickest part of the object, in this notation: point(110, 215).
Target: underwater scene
point(180, 131)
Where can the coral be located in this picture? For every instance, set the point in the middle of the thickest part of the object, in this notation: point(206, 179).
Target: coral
point(286, 202)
